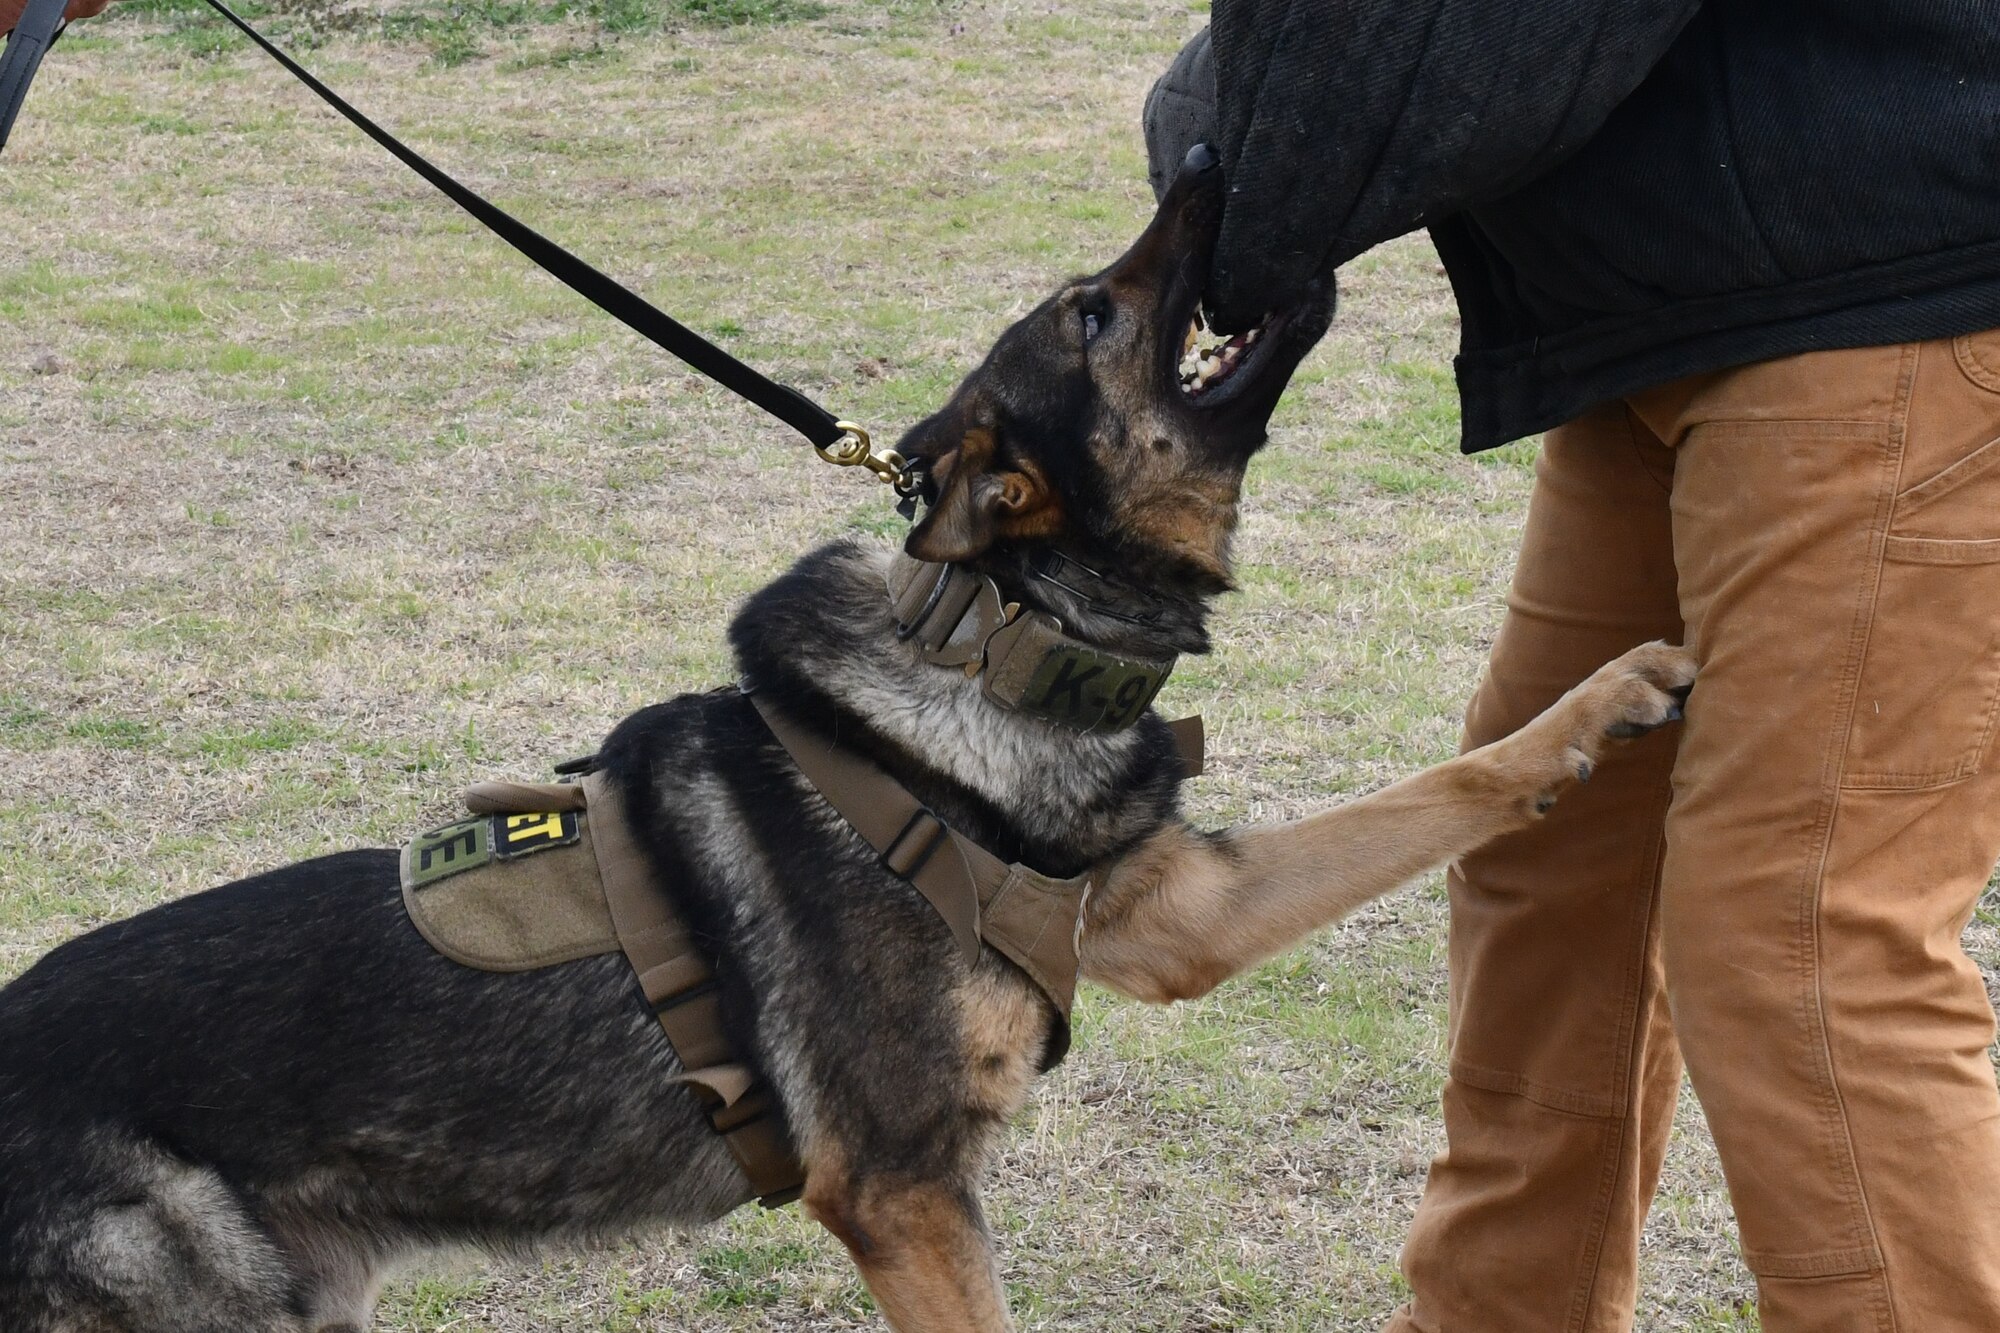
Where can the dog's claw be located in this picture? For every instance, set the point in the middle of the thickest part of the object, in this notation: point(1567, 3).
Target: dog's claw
point(1628, 730)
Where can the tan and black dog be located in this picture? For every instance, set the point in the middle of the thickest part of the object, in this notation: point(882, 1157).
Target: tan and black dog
point(238, 1110)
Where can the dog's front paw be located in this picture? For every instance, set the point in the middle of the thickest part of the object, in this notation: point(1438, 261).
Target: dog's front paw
point(1640, 692)
point(1637, 693)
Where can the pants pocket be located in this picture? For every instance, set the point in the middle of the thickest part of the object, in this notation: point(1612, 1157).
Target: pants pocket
point(1929, 693)
point(1978, 355)
point(1948, 504)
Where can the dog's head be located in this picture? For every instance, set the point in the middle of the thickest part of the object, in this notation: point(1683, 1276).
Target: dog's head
point(1109, 424)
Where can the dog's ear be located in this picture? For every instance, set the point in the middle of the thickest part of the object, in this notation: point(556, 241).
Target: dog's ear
point(978, 504)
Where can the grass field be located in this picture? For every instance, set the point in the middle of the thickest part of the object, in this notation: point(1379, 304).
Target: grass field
point(317, 504)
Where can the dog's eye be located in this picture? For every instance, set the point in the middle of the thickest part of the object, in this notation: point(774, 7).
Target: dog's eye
point(1091, 323)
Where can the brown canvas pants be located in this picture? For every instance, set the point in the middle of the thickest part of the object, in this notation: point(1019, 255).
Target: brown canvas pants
point(1774, 892)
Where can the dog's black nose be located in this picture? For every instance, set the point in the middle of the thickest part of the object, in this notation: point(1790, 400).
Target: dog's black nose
point(1201, 158)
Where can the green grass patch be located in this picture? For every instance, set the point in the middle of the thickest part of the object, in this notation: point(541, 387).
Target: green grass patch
point(119, 733)
point(235, 749)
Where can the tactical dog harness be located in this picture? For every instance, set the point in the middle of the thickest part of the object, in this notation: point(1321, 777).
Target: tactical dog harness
point(548, 873)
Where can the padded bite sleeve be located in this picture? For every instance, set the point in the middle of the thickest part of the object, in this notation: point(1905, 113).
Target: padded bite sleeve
point(1342, 123)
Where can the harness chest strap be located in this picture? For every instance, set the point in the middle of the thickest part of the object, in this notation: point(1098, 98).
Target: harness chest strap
point(681, 987)
point(1031, 918)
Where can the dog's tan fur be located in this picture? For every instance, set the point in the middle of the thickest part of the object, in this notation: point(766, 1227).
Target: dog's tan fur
point(923, 1250)
point(1188, 911)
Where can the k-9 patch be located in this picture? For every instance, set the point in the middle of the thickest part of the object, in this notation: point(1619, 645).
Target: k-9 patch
point(1090, 690)
point(471, 843)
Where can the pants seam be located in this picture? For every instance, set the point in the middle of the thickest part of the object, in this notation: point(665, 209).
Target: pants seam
point(1560, 1100)
point(1637, 993)
point(1854, 1262)
point(1836, 1128)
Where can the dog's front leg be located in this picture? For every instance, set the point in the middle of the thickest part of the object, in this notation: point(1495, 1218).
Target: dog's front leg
point(1187, 910)
point(922, 1248)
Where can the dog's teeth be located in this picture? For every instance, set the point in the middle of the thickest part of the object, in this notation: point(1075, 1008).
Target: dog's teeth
point(1207, 358)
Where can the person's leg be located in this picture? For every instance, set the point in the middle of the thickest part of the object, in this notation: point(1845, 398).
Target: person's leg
point(1836, 813)
point(1563, 1075)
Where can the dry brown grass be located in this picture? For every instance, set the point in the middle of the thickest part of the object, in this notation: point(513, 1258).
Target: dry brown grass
point(319, 504)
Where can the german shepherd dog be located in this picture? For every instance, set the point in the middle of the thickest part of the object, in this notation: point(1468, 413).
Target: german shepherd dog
point(237, 1110)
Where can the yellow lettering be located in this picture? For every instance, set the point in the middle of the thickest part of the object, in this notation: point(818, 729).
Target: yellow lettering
point(526, 828)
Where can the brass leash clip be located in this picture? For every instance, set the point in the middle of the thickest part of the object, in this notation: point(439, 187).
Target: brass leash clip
point(854, 447)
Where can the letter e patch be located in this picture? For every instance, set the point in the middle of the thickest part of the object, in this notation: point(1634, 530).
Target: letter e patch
point(466, 845)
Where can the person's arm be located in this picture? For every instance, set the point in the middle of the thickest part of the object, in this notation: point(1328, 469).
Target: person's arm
point(1342, 123)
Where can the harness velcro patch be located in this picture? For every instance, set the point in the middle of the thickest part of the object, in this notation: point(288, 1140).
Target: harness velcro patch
point(471, 843)
point(518, 835)
point(1033, 667)
point(480, 892)
point(1089, 690)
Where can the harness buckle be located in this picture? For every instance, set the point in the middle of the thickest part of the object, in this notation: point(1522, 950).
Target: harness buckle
point(854, 447)
point(907, 853)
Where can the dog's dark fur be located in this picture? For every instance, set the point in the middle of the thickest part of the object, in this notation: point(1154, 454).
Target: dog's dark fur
point(235, 1111)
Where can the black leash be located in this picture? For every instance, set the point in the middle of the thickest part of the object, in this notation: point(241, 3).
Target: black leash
point(40, 25)
point(837, 441)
